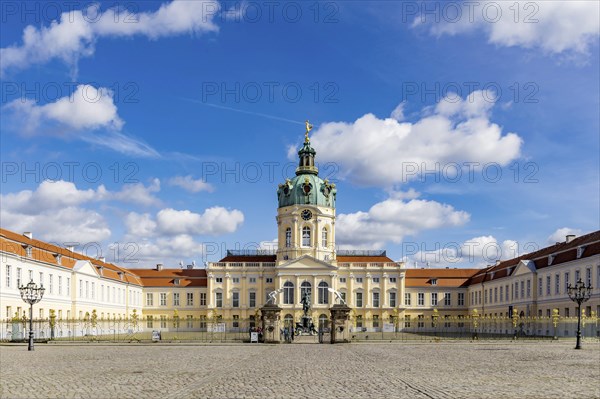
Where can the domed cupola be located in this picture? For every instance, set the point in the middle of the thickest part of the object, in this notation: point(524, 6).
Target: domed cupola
point(307, 159)
point(307, 188)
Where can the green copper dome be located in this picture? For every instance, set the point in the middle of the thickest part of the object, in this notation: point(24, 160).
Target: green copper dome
point(306, 188)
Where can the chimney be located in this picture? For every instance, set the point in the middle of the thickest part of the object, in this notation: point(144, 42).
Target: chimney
point(570, 237)
point(189, 267)
point(497, 262)
point(159, 266)
point(28, 235)
point(70, 248)
point(102, 259)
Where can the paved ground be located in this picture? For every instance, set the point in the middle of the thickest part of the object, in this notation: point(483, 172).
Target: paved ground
point(374, 370)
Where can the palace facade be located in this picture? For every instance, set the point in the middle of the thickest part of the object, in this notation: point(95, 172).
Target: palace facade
point(380, 291)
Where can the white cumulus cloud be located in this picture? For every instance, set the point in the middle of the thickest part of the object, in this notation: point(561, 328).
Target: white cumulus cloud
point(393, 219)
point(387, 152)
point(88, 114)
point(475, 252)
point(213, 221)
point(170, 236)
point(552, 26)
point(76, 32)
point(59, 225)
point(560, 235)
point(190, 184)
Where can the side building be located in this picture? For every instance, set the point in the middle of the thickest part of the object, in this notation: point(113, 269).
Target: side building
point(77, 288)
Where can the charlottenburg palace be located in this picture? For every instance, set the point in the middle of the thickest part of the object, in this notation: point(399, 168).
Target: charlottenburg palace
point(382, 293)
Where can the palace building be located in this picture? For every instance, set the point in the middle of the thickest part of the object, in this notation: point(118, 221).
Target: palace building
point(383, 294)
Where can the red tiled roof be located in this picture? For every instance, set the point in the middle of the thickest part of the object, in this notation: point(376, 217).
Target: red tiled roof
point(562, 252)
point(167, 277)
point(443, 277)
point(45, 252)
point(173, 273)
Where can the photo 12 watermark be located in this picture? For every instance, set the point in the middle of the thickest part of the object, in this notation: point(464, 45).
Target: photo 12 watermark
point(89, 92)
point(70, 171)
point(455, 92)
point(453, 12)
point(269, 92)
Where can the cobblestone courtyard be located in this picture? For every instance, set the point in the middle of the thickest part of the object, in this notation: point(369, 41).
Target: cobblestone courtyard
point(375, 370)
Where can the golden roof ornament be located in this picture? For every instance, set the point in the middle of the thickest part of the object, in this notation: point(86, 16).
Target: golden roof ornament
point(308, 129)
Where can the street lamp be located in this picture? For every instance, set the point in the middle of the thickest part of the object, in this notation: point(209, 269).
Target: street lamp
point(31, 294)
point(579, 293)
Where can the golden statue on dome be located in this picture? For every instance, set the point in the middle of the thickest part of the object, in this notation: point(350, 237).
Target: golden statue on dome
point(308, 129)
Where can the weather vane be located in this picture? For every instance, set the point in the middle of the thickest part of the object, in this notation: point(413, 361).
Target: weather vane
point(308, 129)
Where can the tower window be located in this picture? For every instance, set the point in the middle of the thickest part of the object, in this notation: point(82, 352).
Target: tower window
point(306, 236)
point(288, 237)
point(324, 237)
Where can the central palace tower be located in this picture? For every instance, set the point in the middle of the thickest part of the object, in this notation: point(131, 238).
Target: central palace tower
point(306, 212)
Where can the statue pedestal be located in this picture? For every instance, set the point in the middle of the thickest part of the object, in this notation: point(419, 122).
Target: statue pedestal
point(340, 331)
point(270, 317)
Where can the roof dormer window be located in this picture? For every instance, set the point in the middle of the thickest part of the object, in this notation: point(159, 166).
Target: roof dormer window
point(551, 259)
point(434, 281)
point(176, 281)
point(580, 251)
point(58, 259)
point(28, 250)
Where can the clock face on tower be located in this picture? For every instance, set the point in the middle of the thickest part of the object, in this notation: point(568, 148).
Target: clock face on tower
point(306, 214)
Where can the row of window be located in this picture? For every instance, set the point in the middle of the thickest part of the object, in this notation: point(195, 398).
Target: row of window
point(57, 285)
point(374, 279)
point(251, 280)
point(566, 282)
point(59, 314)
point(162, 296)
point(435, 299)
point(269, 280)
point(58, 289)
point(587, 311)
point(189, 321)
point(306, 237)
point(522, 289)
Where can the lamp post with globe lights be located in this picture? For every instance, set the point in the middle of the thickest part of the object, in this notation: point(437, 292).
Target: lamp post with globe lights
point(579, 293)
point(31, 294)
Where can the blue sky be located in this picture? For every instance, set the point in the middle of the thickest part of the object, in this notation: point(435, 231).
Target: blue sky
point(192, 112)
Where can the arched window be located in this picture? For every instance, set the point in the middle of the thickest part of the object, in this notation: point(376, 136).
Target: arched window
point(305, 287)
point(306, 236)
point(288, 293)
point(323, 322)
point(288, 237)
point(323, 293)
point(324, 237)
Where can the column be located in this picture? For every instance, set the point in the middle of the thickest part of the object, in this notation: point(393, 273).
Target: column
point(350, 293)
point(384, 300)
point(243, 288)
